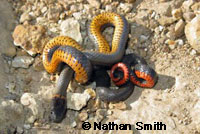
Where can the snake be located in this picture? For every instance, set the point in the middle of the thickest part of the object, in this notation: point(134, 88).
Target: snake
point(105, 93)
point(78, 61)
point(133, 68)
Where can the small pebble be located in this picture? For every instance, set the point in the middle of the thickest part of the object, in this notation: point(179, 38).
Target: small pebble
point(193, 52)
point(179, 28)
point(171, 43)
point(27, 126)
point(177, 13)
point(22, 61)
point(120, 105)
point(143, 38)
point(83, 116)
point(91, 92)
point(179, 42)
point(20, 130)
point(74, 124)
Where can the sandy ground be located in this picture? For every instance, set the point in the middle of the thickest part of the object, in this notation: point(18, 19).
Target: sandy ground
point(174, 101)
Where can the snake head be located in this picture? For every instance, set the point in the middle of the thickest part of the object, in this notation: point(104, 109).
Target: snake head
point(58, 109)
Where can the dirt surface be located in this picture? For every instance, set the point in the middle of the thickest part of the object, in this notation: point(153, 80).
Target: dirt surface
point(156, 33)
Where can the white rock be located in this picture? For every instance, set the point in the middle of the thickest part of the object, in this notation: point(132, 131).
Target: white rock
point(25, 17)
point(193, 52)
point(161, 28)
point(197, 92)
point(33, 102)
point(143, 38)
point(108, 8)
point(27, 126)
point(153, 14)
point(192, 32)
point(20, 130)
point(71, 27)
point(10, 86)
point(77, 101)
point(77, 15)
point(22, 61)
point(44, 9)
point(179, 42)
point(125, 7)
point(94, 3)
point(74, 124)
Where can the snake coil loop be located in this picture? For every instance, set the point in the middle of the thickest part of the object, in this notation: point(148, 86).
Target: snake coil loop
point(140, 73)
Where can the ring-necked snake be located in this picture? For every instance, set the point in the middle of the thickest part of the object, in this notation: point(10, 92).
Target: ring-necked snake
point(64, 49)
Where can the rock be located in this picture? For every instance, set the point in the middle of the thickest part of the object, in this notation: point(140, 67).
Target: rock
point(27, 126)
point(22, 61)
point(186, 6)
point(77, 15)
point(153, 24)
point(73, 124)
point(30, 37)
point(12, 114)
point(120, 105)
point(179, 42)
point(71, 27)
point(73, 8)
point(188, 16)
point(77, 101)
point(62, 16)
point(34, 103)
point(83, 116)
point(25, 17)
point(196, 7)
point(20, 130)
point(125, 7)
point(177, 13)
point(108, 8)
point(171, 43)
point(143, 38)
point(192, 32)
point(193, 52)
point(91, 92)
point(179, 28)
point(11, 87)
point(94, 104)
point(31, 119)
point(44, 9)
point(101, 114)
point(163, 20)
point(166, 10)
point(38, 64)
point(10, 52)
point(54, 12)
point(94, 3)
